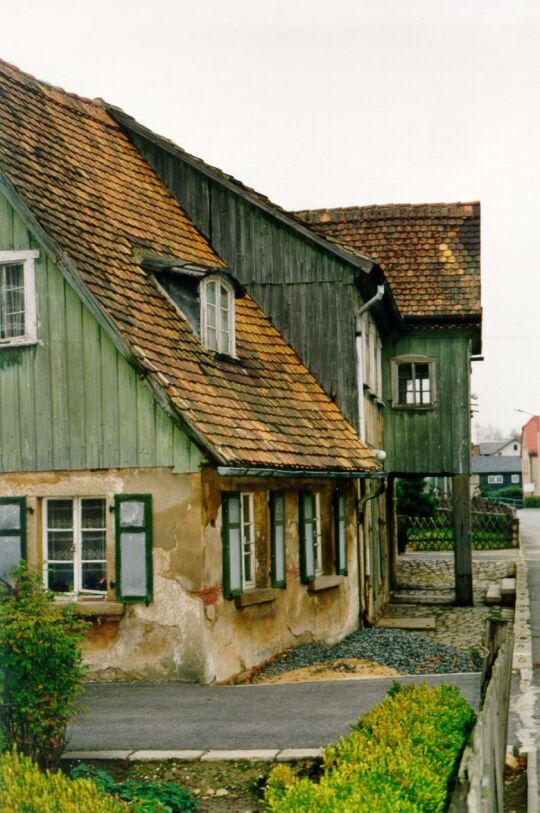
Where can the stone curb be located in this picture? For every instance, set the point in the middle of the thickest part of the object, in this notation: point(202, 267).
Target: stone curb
point(522, 665)
point(264, 755)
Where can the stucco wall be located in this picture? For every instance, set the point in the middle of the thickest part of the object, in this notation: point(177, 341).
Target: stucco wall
point(243, 637)
point(191, 631)
point(167, 638)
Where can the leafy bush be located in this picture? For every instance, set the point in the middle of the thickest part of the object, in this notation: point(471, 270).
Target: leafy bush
point(40, 653)
point(401, 756)
point(531, 502)
point(149, 797)
point(415, 498)
point(512, 492)
point(23, 787)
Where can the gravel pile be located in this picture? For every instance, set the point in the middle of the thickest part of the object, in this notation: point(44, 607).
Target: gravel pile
point(407, 652)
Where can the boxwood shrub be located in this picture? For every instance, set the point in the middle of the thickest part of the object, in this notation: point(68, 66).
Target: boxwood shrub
point(23, 787)
point(402, 756)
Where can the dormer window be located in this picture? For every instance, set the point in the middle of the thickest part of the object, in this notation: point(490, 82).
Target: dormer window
point(17, 297)
point(217, 315)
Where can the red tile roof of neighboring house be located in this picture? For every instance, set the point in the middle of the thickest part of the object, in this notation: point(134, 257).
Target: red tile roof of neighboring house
point(430, 253)
point(530, 434)
point(93, 194)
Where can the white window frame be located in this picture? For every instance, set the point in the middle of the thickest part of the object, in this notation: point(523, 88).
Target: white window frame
point(247, 536)
point(495, 479)
point(77, 544)
point(26, 259)
point(230, 350)
point(414, 360)
point(514, 479)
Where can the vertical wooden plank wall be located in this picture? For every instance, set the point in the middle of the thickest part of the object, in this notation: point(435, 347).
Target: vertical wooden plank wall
point(434, 441)
point(310, 294)
point(71, 401)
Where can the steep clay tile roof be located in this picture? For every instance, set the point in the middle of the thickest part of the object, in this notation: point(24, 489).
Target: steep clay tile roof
point(95, 196)
point(430, 253)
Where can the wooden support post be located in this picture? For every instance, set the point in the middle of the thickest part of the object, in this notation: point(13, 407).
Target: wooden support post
point(391, 524)
point(461, 500)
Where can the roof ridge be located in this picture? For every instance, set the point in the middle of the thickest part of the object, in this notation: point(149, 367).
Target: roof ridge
point(387, 207)
point(59, 94)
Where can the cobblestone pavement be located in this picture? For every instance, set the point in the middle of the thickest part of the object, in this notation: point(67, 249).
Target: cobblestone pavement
point(462, 627)
point(413, 571)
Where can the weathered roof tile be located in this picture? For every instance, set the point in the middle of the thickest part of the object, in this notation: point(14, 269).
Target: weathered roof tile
point(96, 197)
point(430, 253)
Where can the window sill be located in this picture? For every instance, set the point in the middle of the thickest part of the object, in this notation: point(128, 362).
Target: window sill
point(96, 607)
point(11, 344)
point(262, 596)
point(325, 583)
point(415, 407)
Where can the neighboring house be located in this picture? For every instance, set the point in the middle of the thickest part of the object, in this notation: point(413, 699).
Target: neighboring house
point(529, 457)
point(430, 254)
point(493, 472)
point(166, 460)
point(511, 447)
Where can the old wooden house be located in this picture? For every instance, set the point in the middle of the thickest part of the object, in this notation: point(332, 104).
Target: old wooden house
point(167, 462)
point(391, 337)
point(332, 304)
point(430, 254)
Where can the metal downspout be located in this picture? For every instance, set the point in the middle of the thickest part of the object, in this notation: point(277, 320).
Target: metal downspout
point(363, 565)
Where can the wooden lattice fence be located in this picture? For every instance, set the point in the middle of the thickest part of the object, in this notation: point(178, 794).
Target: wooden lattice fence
point(489, 531)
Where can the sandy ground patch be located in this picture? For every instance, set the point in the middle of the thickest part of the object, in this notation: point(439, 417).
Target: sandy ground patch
point(338, 669)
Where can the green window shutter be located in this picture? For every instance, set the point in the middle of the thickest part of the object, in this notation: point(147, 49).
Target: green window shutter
point(277, 531)
point(12, 533)
point(232, 545)
point(133, 524)
point(340, 522)
point(307, 536)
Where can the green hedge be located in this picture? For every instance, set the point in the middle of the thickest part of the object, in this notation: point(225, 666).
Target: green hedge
point(401, 757)
point(531, 502)
point(23, 787)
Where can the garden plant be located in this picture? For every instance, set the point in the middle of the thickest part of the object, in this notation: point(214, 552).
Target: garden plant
point(42, 671)
point(401, 756)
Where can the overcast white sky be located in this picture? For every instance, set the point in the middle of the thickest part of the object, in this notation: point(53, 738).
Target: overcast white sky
point(319, 103)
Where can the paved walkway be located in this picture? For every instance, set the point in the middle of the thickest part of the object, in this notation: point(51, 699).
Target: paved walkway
point(525, 704)
point(177, 716)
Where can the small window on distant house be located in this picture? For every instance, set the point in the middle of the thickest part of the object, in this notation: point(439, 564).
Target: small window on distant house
point(413, 382)
point(495, 479)
point(17, 297)
point(514, 478)
point(217, 315)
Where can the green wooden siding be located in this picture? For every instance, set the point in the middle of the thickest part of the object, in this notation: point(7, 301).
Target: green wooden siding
point(433, 441)
point(72, 401)
point(299, 284)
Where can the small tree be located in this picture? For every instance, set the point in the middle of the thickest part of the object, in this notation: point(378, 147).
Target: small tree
point(415, 498)
point(41, 664)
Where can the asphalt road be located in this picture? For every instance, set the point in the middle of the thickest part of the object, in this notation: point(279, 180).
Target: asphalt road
point(176, 716)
